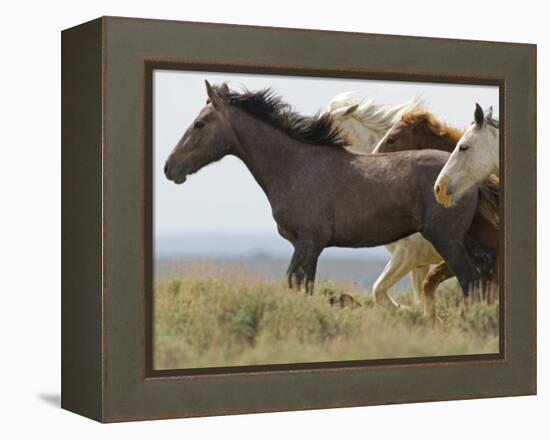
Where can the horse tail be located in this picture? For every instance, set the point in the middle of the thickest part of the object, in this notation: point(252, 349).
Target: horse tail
point(488, 205)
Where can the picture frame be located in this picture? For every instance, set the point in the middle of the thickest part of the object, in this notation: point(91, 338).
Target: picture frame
point(107, 67)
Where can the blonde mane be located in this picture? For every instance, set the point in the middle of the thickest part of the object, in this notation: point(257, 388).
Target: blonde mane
point(377, 117)
point(416, 117)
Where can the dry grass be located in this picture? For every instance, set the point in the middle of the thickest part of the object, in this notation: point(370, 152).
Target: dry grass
point(213, 318)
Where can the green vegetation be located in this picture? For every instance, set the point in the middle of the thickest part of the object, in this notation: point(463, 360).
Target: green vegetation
point(222, 319)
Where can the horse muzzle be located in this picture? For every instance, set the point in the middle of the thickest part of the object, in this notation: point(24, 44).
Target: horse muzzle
point(442, 193)
point(174, 174)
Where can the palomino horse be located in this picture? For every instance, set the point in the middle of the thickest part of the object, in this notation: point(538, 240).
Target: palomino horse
point(419, 130)
point(472, 161)
point(364, 123)
point(291, 156)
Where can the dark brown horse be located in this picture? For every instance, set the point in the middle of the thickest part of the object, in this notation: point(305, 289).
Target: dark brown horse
point(322, 195)
point(418, 130)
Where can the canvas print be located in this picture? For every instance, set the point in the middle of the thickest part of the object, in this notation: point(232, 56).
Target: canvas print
point(302, 220)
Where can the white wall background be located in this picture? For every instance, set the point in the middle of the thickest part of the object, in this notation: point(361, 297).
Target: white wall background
point(30, 220)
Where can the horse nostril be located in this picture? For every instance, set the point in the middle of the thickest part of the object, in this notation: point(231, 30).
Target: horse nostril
point(166, 169)
point(437, 189)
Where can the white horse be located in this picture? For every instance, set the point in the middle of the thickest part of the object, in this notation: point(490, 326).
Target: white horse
point(474, 159)
point(366, 123)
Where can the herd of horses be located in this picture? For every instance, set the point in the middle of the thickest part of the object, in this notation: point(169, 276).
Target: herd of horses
point(360, 175)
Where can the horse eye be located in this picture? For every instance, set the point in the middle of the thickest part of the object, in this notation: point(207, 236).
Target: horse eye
point(199, 124)
point(391, 141)
point(463, 147)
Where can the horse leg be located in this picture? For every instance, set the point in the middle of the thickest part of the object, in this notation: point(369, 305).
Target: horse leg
point(291, 269)
point(303, 266)
point(397, 268)
point(307, 270)
point(433, 279)
point(417, 277)
point(454, 253)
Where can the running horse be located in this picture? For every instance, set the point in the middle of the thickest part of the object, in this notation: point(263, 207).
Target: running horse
point(418, 130)
point(321, 194)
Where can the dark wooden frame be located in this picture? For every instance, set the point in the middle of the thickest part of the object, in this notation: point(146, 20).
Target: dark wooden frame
point(106, 213)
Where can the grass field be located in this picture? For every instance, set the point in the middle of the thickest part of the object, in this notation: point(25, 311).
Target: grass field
point(209, 318)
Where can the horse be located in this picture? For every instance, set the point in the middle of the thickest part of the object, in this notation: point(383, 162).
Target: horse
point(419, 130)
point(473, 160)
point(321, 194)
point(365, 122)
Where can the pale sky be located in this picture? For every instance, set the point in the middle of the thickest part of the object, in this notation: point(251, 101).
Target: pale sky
point(223, 198)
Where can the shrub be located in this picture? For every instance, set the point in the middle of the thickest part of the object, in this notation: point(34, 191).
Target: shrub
point(220, 319)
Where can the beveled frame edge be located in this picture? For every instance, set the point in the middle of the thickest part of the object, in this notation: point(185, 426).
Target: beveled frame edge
point(111, 409)
point(308, 30)
point(152, 64)
point(82, 363)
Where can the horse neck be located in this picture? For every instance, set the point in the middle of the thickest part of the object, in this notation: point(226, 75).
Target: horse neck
point(363, 138)
point(366, 137)
point(266, 151)
point(490, 161)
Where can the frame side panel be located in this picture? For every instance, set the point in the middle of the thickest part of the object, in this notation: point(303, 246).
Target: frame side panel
point(81, 213)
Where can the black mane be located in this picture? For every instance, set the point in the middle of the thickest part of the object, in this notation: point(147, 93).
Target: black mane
point(267, 106)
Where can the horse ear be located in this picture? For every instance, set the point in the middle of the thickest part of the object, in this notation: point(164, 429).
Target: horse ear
point(489, 113)
point(351, 109)
point(213, 96)
point(478, 115)
point(345, 111)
